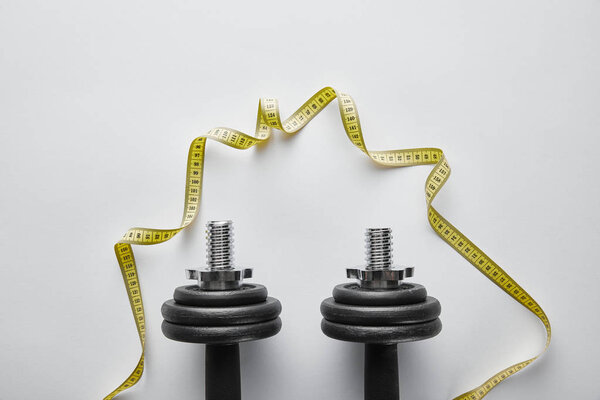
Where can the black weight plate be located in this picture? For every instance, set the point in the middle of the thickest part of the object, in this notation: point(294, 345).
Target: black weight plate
point(221, 316)
point(352, 293)
point(221, 334)
point(192, 295)
point(381, 334)
point(381, 315)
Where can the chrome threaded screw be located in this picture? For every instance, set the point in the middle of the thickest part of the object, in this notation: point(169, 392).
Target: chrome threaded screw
point(219, 245)
point(379, 248)
point(220, 273)
point(379, 272)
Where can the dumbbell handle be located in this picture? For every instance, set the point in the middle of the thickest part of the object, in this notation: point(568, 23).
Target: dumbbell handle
point(222, 372)
point(381, 372)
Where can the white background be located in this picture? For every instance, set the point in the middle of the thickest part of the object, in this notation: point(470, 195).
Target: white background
point(99, 101)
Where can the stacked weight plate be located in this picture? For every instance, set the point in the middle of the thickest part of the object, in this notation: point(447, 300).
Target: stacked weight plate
point(402, 314)
point(221, 317)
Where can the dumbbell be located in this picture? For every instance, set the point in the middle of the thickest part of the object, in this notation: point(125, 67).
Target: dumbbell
point(221, 311)
point(380, 310)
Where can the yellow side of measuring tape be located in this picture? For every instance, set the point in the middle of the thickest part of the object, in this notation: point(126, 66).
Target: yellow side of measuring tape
point(268, 118)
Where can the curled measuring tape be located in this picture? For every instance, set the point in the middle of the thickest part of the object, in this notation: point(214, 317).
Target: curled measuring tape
point(268, 118)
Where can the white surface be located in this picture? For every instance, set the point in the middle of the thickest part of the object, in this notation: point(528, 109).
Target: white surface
point(99, 102)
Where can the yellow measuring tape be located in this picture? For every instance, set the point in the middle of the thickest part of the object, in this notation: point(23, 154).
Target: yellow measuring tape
point(268, 118)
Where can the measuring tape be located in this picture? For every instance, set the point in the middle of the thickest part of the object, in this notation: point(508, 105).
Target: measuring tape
point(268, 118)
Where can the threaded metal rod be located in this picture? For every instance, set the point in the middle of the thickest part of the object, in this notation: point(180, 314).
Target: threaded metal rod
point(219, 245)
point(379, 248)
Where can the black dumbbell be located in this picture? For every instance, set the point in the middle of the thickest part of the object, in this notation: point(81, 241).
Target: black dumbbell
point(221, 311)
point(380, 311)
